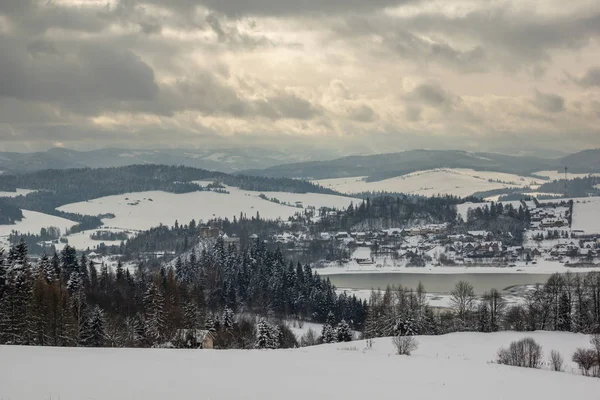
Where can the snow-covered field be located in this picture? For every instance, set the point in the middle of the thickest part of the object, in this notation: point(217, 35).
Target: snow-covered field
point(33, 221)
point(586, 211)
point(453, 367)
point(457, 181)
point(556, 175)
point(155, 207)
point(82, 240)
point(300, 328)
point(586, 215)
point(18, 192)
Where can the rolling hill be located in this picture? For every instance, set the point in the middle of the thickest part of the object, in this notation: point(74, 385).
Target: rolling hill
point(227, 160)
point(384, 166)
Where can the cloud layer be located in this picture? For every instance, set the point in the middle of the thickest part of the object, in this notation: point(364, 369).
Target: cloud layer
point(352, 76)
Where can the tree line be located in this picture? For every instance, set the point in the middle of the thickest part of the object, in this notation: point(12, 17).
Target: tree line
point(566, 302)
point(67, 300)
point(54, 188)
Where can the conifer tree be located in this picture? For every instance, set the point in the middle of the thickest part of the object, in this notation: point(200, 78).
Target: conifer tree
point(564, 311)
point(343, 332)
point(328, 332)
point(155, 319)
point(262, 335)
point(228, 319)
point(95, 331)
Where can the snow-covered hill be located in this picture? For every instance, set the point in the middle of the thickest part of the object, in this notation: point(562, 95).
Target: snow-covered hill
point(143, 210)
point(456, 366)
point(457, 181)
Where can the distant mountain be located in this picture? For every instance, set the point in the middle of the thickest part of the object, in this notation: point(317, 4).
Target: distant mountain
point(226, 160)
point(582, 162)
point(383, 166)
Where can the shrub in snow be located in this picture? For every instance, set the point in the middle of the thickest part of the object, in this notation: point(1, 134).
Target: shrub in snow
point(556, 361)
point(587, 361)
point(309, 338)
point(522, 353)
point(405, 345)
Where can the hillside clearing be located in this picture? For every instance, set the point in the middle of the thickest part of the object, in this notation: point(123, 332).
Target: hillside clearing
point(143, 210)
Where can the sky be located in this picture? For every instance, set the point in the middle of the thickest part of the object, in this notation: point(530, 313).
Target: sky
point(346, 76)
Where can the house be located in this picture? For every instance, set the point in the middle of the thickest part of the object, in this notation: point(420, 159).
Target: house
point(231, 240)
point(325, 236)
point(207, 232)
point(341, 235)
point(479, 234)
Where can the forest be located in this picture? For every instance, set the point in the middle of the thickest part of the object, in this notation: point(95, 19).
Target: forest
point(9, 213)
point(567, 302)
point(67, 300)
point(243, 297)
point(55, 188)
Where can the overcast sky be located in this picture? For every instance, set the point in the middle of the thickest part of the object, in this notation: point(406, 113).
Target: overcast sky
point(356, 76)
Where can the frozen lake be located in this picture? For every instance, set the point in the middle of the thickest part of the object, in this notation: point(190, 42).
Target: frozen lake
point(435, 283)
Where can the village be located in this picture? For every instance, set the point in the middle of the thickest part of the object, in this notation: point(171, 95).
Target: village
point(549, 237)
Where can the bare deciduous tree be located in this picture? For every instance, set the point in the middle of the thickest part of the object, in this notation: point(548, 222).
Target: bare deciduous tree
point(522, 353)
point(496, 305)
point(556, 361)
point(463, 298)
point(586, 360)
point(405, 345)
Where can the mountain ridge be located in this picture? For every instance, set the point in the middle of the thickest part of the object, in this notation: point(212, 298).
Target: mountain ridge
point(383, 166)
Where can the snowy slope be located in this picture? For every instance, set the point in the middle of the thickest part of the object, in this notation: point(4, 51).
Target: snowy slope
point(586, 211)
point(33, 221)
point(448, 367)
point(146, 209)
point(457, 181)
point(18, 192)
point(586, 215)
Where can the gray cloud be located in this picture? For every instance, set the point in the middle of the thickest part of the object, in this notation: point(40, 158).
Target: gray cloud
point(87, 79)
point(408, 46)
point(432, 95)
point(548, 102)
point(362, 113)
point(590, 78)
point(502, 36)
point(293, 7)
point(257, 70)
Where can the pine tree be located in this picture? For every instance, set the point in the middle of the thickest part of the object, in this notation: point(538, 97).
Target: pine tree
point(228, 319)
point(344, 334)
point(15, 304)
point(155, 319)
point(406, 327)
point(564, 312)
point(262, 335)
point(210, 325)
point(95, 331)
point(328, 332)
point(68, 259)
point(274, 337)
